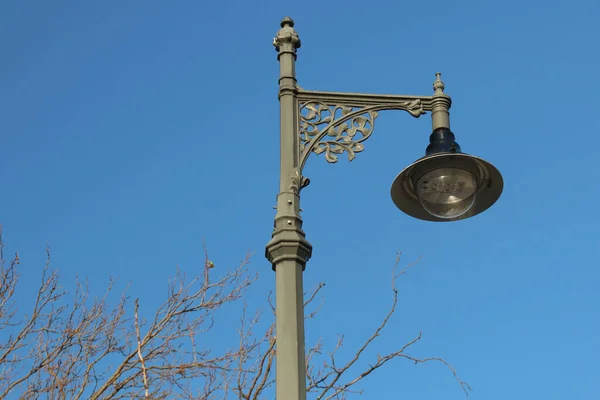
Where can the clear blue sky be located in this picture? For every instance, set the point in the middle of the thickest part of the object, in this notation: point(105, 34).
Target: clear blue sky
point(130, 130)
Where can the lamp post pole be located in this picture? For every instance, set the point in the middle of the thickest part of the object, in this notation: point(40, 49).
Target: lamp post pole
point(288, 250)
point(442, 186)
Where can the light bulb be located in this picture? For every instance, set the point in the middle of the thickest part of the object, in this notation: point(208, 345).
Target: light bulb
point(447, 192)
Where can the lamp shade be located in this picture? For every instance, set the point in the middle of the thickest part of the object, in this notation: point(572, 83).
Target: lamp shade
point(447, 186)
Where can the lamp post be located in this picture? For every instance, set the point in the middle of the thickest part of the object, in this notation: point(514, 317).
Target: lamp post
point(445, 185)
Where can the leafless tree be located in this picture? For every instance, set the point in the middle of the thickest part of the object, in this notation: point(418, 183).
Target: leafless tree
point(75, 346)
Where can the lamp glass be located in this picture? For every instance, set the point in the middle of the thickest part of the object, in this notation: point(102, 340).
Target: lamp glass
point(447, 192)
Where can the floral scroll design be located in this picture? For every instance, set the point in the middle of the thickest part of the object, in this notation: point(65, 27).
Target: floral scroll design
point(335, 129)
point(298, 181)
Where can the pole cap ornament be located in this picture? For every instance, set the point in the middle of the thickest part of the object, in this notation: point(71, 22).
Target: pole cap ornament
point(287, 39)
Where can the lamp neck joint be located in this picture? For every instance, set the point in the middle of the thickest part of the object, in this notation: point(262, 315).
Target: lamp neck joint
point(442, 140)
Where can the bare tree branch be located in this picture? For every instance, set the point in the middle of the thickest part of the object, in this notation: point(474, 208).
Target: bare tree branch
point(139, 348)
point(76, 347)
point(327, 381)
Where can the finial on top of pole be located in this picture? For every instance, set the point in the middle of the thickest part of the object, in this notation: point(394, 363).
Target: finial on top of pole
point(287, 39)
point(287, 21)
point(438, 85)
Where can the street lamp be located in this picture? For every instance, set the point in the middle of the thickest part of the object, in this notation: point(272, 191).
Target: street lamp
point(445, 185)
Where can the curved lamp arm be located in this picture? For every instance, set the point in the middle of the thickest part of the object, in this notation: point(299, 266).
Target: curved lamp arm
point(334, 123)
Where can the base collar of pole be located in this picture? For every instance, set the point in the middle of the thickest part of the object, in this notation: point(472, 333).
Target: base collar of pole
point(288, 245)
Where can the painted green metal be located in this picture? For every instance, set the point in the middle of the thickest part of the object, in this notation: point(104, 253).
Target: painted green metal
point(288, 249)
point(332, 124)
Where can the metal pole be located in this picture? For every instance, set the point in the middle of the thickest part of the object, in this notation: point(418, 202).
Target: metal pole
point(288, 249)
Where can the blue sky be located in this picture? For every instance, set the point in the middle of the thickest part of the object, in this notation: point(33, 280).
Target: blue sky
point(132, 130)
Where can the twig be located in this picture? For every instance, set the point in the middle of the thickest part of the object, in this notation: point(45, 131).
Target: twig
point(327, 379)
point(139, 348)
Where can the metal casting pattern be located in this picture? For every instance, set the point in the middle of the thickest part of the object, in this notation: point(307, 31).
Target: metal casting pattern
point(335, 129)
point(298, 181)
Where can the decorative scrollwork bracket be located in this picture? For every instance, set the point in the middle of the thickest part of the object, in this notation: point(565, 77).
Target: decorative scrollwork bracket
point(337, 123)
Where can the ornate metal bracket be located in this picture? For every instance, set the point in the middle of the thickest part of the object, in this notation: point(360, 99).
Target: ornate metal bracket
point(337, 123)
